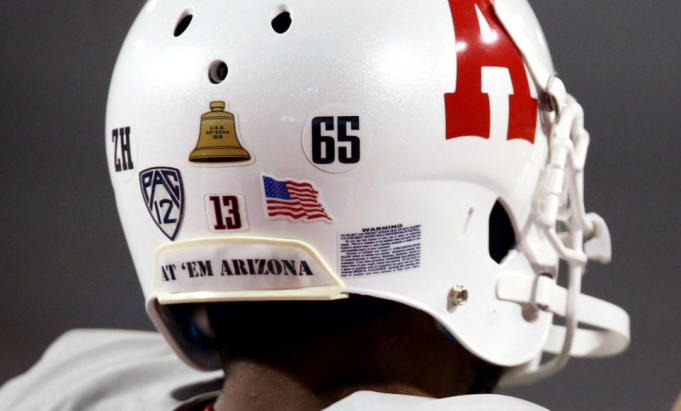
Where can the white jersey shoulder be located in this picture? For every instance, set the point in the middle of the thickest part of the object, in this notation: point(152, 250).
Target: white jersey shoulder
point(117, 370)
point(107, 370)
point(366, 401)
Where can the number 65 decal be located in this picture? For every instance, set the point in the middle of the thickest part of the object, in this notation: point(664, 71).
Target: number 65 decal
point(336, 138)
point(324, 147)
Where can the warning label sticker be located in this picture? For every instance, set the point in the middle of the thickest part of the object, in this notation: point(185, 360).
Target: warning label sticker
point(379, 250)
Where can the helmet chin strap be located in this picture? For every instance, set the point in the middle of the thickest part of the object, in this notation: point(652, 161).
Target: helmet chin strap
point(584, 236)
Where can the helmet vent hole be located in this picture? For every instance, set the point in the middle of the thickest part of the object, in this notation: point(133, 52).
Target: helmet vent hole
point(282, 22)
point(502, 237)
point(183, 23)
point(217, 73)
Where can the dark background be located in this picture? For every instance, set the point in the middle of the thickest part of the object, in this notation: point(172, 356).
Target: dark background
point(63, 259)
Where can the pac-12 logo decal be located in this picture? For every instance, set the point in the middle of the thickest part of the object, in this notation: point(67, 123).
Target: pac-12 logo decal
point(491, 78)
point(163, 194)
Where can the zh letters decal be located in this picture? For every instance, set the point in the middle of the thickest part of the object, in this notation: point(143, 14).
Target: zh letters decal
point(163, 194)
point(120, 137)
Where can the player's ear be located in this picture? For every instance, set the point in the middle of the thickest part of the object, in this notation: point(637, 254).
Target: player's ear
point(195, 324)
point(202, 321)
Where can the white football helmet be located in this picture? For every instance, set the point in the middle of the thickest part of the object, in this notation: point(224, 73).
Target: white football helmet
point(420, 152)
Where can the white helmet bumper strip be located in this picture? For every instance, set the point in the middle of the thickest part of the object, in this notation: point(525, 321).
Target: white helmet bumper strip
point(242, 269)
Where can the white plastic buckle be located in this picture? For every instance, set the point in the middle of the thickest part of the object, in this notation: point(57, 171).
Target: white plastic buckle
point(541, 295)
point(599, 246)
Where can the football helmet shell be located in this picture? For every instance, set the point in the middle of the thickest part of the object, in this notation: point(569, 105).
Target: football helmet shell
point(394, 128)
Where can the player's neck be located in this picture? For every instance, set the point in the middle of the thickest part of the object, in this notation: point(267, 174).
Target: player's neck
point(252, 386)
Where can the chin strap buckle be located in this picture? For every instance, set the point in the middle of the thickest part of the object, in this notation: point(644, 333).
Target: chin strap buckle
point(609, 324)
point(599, 246)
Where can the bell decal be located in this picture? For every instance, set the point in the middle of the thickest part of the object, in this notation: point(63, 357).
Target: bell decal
point(218, 140)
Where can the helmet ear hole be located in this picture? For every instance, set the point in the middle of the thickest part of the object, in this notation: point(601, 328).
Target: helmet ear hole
point(217, 73)
point(502, 237)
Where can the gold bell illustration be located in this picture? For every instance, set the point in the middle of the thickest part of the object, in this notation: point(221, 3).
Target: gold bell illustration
point(218, 141)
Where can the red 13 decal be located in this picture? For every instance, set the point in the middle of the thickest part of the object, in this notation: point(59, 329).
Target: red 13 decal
point(486, 57)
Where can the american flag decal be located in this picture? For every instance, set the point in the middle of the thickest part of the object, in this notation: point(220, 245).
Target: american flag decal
point(293, 200)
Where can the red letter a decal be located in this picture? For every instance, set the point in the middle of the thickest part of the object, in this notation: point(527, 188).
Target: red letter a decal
point(482, 44)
